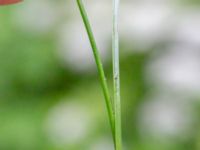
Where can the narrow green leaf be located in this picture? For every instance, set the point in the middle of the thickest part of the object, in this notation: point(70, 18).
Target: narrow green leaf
point(116, 76)
point(100, 69)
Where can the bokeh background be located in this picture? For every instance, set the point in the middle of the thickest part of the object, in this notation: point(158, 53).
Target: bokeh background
point(50, 97)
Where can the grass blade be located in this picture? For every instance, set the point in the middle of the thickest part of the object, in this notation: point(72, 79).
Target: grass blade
point(116, 76)
point(100, 69)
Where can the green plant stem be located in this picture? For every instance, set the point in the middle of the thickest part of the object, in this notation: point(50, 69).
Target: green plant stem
point(116, 76)
point(100, 69)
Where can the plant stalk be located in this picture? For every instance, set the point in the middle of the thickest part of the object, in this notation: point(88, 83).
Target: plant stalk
point(100, 69)
point(116, 76)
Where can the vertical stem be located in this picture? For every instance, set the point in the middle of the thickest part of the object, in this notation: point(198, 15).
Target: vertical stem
point(116, 76)
point(99, 65)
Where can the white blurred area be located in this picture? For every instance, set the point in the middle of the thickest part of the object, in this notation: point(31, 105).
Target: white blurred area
point(165, 115)
point(144, 24)
point(178, 68)
point(102, 143)
point(69, 123)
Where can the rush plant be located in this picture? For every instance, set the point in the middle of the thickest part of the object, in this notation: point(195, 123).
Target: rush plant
point(113, 107)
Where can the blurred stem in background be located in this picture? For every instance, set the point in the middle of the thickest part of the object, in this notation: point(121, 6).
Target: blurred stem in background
point(116, 76)
point(100, 69)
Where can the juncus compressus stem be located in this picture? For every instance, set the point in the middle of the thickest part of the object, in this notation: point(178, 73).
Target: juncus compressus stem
point(116, 76)
point(100, 69)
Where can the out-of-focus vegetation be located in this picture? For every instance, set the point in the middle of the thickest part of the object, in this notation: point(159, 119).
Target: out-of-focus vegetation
point(50, 97)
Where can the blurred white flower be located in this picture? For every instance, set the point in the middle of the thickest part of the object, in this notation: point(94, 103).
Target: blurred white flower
point(36, 16)
point(164, 116)
point(176, 69)
point(188, 28)
point(145, 23)
point(102, 144)
point(68, 123)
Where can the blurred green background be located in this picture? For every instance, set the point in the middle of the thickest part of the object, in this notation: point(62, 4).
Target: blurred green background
point(50, 96)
